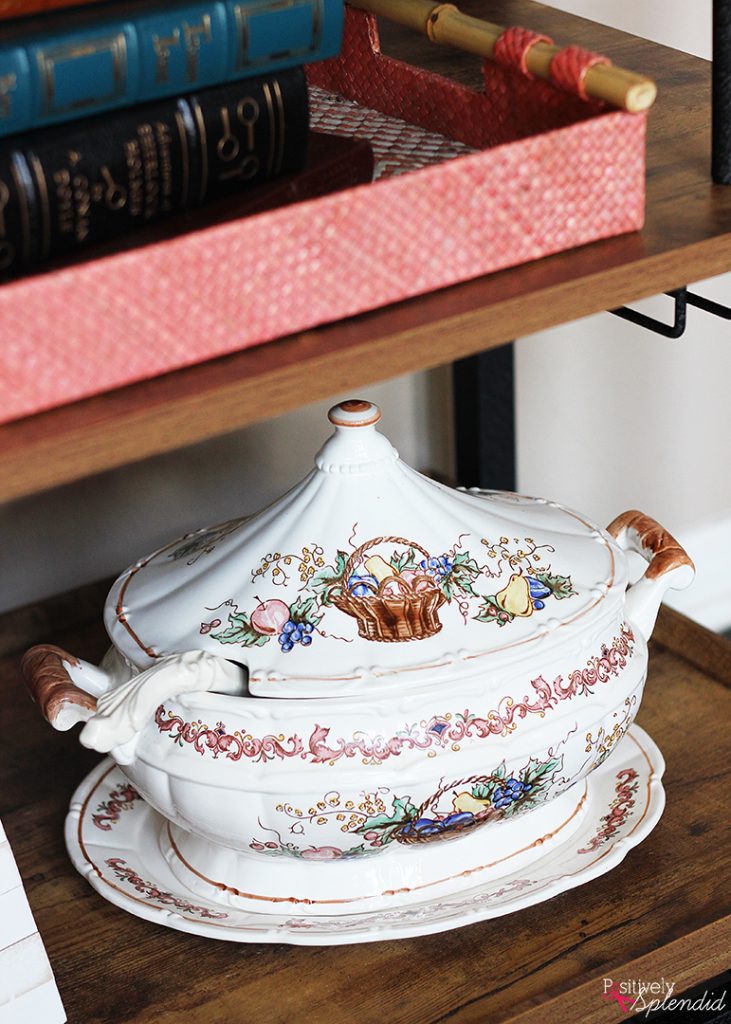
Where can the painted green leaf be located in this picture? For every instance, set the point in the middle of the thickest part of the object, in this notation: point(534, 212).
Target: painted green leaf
point(300, 609)
point(463, 581)
point(484, 614)
point(240, 631)
point(401, 560)
point(465, 561)
point(402, 811)
point(560, 586)
point(525, 801)
point(328, 580)
point(483, 790)
point(403, 807)
point(464, 571)
point(536, 771)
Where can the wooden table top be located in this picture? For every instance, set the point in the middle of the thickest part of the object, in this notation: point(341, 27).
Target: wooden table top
point(665, 911)
point(687, 237)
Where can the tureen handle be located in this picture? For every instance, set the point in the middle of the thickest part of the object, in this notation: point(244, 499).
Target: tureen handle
point(46, 673)
point(114, 701)
point(669, 566)
point(125, 710)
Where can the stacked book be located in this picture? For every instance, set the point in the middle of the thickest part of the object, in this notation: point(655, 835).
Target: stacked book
point(116, 115)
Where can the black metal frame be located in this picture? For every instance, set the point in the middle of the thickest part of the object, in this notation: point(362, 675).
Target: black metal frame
point(484, 419)
point(484, 385)
point(683, 298)
point(721, 96)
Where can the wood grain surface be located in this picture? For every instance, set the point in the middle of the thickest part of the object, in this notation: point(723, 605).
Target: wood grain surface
point(665, 911)
point(687, 237)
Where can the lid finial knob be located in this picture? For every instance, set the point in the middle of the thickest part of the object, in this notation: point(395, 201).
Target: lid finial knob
point(355, 412)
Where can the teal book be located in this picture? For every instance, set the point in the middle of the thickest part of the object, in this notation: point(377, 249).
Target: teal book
point(92, 63)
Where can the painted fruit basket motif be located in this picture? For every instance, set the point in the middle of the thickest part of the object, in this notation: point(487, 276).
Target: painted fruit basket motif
point(469, 182)
point(388, 604)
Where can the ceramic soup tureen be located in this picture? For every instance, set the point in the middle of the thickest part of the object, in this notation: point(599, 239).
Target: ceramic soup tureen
point(366, 690)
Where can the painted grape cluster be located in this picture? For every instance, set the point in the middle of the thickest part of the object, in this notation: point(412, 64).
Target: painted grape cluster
point(439, 568)
point(295, 633)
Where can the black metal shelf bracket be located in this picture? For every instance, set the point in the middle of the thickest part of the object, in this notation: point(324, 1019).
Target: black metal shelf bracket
point(683, 298)
point(721, 104)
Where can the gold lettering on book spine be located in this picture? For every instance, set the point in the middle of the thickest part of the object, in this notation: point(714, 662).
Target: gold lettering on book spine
point(64, 201)
point(162, 46)
point(242, 32)
point(245, 14)
point(42, 184)
point(272, 129)
point(280, 108)
point(200, 121)
point(163, 134)
point(48, 58)
point(228, 145)
point(7, 249)
point(24, 214)
point(194, 36)
point(133, 159)
point(7, 87)
point(184, 156)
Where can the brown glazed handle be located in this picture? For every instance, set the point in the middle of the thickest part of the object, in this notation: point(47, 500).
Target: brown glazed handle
point(648, 538)
point(669, 566)
point(61, 701)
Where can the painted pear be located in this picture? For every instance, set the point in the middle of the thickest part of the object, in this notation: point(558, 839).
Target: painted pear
point(515, 598)
point(466, 802)
point(379, 568)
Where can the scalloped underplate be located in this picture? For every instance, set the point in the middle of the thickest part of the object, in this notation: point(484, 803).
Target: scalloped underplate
point(112, 838)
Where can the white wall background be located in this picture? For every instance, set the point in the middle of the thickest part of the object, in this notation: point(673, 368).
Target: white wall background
point(637, 420)
point(609, 417)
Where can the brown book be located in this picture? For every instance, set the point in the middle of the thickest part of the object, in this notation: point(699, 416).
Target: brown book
point(24, 8)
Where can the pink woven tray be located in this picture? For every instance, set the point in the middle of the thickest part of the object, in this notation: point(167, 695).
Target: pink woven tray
point(522, 170)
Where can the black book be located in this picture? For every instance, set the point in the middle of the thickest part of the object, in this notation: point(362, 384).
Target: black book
point(66, 187)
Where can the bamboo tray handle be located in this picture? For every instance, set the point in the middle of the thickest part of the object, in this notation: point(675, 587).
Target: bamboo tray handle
point(444, 23)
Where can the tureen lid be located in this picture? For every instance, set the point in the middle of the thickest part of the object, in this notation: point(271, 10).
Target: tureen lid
point(367, 571)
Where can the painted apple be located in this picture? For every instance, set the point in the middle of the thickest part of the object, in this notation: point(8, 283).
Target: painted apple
point(322, 853)
point(269, 617)
point(418, 582)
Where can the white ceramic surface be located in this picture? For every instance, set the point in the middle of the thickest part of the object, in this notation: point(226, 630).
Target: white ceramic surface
point(375, 664)
point(119, 844)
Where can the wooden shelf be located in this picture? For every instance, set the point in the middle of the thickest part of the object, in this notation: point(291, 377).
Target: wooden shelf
point(687, 237)
point(665, 911)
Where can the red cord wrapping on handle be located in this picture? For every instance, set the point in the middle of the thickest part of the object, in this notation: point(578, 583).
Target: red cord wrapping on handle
point(569, 68)
point(511, 48)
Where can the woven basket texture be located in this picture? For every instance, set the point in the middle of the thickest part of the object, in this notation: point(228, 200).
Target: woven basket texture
point(537, 171)
point(394, 619)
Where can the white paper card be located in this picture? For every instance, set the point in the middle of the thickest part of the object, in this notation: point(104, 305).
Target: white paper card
point(41, 1006)
point(28, 993)
point(16, 919)
point(9, 874)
